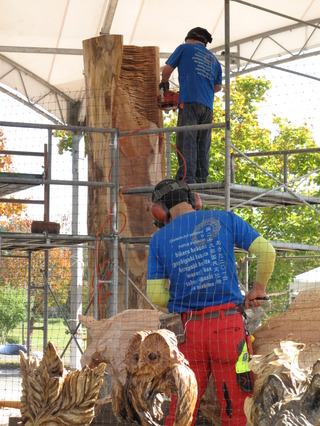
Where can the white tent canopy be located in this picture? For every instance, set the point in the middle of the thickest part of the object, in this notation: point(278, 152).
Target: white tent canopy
point(41, 40)
point(306, 281)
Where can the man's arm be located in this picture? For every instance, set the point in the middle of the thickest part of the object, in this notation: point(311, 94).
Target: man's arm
point(217, 88)
point(158, 292)
point(166, 73)
point(266, 255)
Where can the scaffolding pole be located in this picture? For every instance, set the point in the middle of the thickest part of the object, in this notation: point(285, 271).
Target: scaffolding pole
point(114, 210)
point(76, 262)
point(227, 105)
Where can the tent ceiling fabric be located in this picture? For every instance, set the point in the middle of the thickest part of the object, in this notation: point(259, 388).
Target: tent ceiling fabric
point(41, 40)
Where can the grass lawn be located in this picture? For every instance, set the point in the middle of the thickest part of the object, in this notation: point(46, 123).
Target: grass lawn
point(58, 334)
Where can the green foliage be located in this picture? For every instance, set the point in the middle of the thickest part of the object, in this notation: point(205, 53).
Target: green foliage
point(66, 140)
point(13, 309)
point(58, 333)
point(14, 340)
point(297, 224)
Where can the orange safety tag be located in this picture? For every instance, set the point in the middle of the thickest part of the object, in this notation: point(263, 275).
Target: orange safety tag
point(249, 344)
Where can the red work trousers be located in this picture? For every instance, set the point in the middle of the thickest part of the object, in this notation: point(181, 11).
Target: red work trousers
point(211, 348)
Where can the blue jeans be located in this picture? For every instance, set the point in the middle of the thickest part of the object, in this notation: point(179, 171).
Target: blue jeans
point(194, 145)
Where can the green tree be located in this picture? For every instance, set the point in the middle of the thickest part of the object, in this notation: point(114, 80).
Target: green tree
point(66, 140)
point(298, 224)
point(14, 271)
point(13, 309)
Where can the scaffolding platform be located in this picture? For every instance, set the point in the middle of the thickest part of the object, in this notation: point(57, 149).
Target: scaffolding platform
point(34, 242)
point(14, 241)
point(213, 194)
point(15, 182)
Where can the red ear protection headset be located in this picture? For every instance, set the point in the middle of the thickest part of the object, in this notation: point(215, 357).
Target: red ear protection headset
point(159, 210)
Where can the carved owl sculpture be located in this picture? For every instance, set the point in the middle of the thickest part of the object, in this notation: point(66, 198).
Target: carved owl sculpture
point(52, 396)
point(155, 370)
point(146, 366)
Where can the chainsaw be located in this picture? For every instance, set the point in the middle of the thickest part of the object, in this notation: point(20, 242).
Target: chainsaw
point(168, 100)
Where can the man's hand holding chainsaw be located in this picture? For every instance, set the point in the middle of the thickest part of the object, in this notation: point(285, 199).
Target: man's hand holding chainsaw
point(164, 86)
point(166, 73)
point(265, 254)
point(167, 99)
point(257, 296)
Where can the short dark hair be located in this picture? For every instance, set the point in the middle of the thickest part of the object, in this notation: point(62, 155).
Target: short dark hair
point(200, 34)
point(171, 192)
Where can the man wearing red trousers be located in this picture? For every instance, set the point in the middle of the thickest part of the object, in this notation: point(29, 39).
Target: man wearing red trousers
point(194, 250)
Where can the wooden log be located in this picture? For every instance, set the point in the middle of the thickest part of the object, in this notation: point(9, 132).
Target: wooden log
point(10, 404)
point(102, 64)
point(38, 227)
point(121, 91)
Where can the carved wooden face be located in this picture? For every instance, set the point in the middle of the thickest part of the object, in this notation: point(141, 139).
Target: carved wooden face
point(156, 367)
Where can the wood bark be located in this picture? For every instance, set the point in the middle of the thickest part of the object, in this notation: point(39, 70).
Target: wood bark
point(121, 92)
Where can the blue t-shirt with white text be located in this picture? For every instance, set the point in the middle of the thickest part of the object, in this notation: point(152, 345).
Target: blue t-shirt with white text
point(196, 252)
point(199, 71)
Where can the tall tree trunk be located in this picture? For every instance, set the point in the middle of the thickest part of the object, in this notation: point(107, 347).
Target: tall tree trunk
point(121, 92)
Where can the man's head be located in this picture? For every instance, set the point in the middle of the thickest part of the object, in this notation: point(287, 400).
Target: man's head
point(200, 34)
point(170, 193)
point(167, 194)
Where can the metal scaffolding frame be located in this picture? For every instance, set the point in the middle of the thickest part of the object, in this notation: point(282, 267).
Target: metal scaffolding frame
point(211, 193)
point(13, 242)
point(226, 194)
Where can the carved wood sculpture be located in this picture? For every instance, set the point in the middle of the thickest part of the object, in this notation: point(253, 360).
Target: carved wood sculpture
point(144, 365)
point(286, 366)
point(155, 368)
point(284, 394)
point(121, 92)
point(110, 338)
point(51, 396)
point(300, 323)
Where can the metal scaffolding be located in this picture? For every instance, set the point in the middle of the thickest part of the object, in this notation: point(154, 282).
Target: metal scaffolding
point(227, 194)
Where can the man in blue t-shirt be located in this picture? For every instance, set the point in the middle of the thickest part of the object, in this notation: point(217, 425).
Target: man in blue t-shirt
point(194, 251)
point(200, 77)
